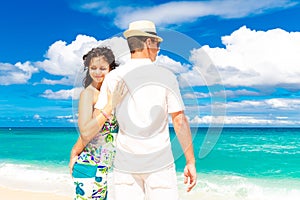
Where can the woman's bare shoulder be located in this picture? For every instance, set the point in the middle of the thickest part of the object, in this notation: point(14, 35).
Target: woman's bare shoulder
point(87, 92)
point(90, 93)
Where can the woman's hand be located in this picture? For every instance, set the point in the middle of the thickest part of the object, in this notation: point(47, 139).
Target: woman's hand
point(72, 162)
point(76, 150)
point(118, 94)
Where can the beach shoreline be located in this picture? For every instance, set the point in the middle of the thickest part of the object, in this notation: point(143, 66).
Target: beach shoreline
point(201, 191)
point(15, 194)
point(34, 164)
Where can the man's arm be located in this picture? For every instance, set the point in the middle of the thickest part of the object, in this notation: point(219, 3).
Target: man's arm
point(183, 132)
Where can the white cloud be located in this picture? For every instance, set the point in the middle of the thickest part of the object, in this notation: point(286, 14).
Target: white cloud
point(245, 104)
point(172, 65)
point(185, 11)
point(119, 47)
point(63, 81)
point(267, 111)
point(281, 117)
point(196, 95)
point(69, 118)
point(63, 94)
point(73, 121)
point(65, 60)
point(193, 77)
point(224, 93)
point(253, 58)
point(237, 93)
point(264, 106)
point(64, 117)
point(18, 73)
point(36, 116)
point(284, 104)
point(62, 60)
point(182, 11)
point(242, 120)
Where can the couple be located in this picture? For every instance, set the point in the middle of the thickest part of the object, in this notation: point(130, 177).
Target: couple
point(142, 96)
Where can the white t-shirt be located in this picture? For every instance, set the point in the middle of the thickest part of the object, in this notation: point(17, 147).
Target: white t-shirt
point(143, 142)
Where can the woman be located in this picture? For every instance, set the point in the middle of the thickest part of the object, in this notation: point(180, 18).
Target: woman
point(95, 146)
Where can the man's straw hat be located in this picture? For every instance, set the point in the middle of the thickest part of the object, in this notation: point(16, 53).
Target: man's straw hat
point(142, 28)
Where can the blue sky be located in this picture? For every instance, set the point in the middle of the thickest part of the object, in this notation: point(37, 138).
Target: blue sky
point(237, 61)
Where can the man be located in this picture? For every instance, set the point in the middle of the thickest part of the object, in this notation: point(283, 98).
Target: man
point(144, 165)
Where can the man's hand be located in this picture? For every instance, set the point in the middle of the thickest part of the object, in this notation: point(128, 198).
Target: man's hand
point(190, 176)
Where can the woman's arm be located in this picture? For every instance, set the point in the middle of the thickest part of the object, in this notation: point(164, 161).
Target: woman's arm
point(88, 124)
point(76, 150)
point(91, 122)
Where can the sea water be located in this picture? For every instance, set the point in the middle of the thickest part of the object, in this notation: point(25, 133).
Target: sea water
point(241, 163)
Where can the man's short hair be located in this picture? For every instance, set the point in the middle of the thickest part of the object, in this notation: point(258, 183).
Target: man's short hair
point(136, 43)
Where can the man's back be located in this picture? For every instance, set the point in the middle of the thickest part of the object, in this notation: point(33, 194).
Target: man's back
point(143, 115)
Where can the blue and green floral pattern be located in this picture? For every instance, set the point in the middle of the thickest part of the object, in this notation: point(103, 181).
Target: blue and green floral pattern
point(98, 152)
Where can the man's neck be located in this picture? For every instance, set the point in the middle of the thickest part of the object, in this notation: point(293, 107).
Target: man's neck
point(139, 54)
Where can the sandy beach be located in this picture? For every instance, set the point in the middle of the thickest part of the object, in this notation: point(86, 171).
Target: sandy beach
point(10, 194)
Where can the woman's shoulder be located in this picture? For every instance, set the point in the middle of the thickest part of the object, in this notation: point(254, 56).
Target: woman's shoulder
point(88, 91)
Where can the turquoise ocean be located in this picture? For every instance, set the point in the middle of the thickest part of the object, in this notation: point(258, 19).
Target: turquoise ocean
point(244, 163)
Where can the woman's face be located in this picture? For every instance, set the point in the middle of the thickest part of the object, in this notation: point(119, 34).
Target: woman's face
point(98, 69)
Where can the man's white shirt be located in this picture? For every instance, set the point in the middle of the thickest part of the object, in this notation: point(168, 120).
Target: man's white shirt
point(143, 142)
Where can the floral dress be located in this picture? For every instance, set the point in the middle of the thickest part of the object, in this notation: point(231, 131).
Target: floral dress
point(91, 169)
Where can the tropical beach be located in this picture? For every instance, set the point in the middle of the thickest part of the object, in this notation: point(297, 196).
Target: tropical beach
point(10, 194)
point(237, 67)
point(245, 163)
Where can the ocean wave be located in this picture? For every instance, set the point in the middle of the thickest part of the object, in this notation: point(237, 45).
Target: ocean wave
point(211, 186)
point(36, 178)
point(220, 187)
point(266, 148)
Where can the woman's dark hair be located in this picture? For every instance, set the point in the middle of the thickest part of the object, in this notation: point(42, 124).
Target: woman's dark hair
point(108, 56)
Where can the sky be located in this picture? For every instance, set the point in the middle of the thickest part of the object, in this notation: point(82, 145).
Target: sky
point(237, 62)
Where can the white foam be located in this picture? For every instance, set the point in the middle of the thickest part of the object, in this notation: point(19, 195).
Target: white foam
point(34, 178)
point(220, 187)
point(266, 148)
point(210, 186)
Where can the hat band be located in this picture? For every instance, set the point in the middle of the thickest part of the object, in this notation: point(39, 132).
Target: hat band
point(152, 33)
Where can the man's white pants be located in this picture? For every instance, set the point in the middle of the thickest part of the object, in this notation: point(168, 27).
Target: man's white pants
point(159, 185)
